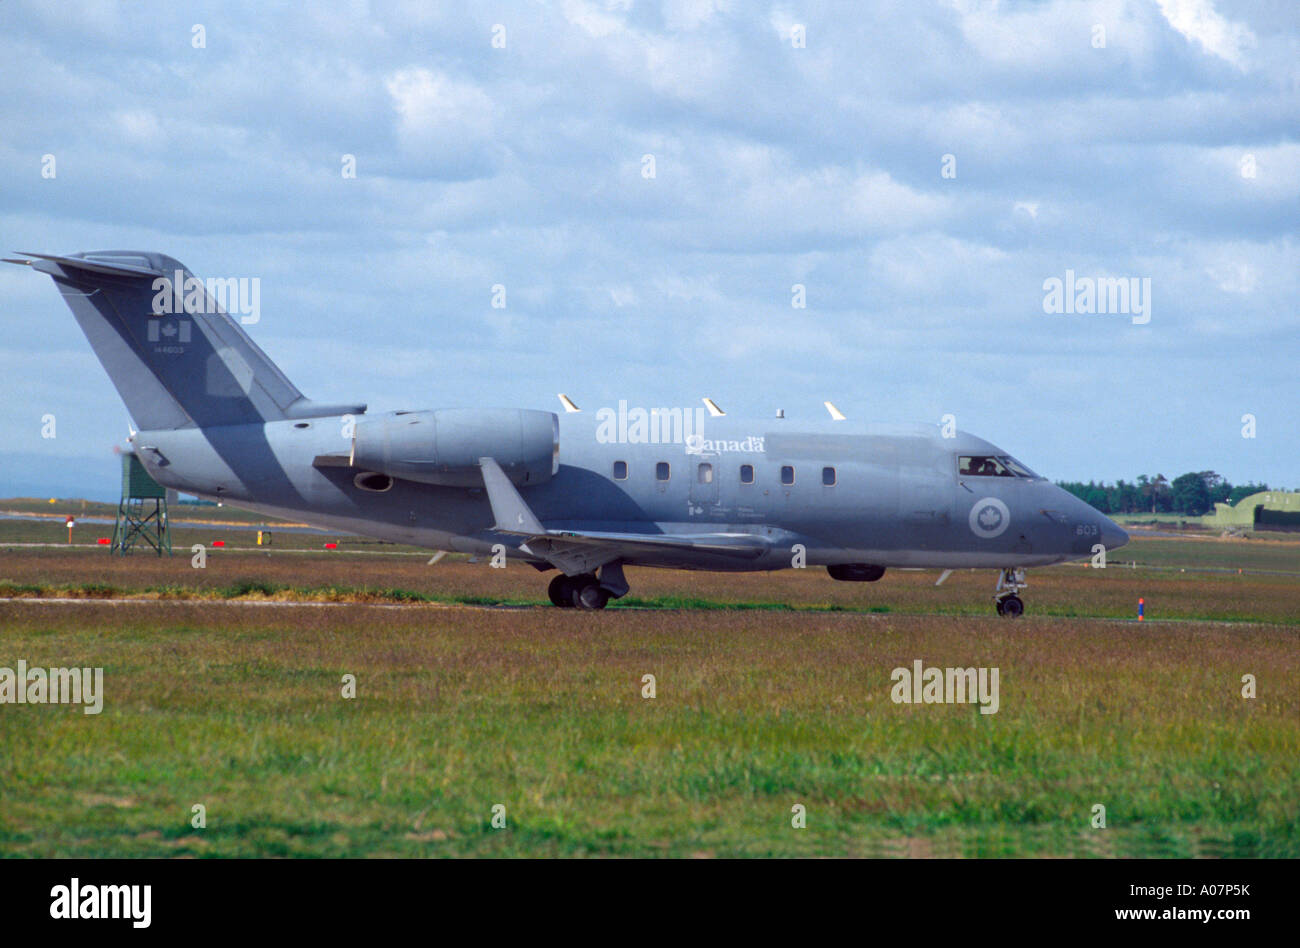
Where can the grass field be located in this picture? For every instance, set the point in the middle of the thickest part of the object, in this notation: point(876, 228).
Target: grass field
point(1180, 578)
point(772, 690)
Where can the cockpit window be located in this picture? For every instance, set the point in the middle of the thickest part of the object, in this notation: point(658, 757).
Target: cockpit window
point(982, 466)
point(1017, 468)
point(989, 466)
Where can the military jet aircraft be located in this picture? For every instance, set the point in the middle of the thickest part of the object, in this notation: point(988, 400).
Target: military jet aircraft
point(585, 493)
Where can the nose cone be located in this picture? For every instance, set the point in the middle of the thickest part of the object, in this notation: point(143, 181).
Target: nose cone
point(1112, 534)
point(1086, 525)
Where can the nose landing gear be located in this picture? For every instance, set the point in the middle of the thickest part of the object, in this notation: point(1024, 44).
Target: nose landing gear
point(1006, 599)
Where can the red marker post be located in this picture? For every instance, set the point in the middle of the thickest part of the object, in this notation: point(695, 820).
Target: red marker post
point(71, 524)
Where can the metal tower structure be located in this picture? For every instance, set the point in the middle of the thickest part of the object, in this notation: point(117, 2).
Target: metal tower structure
point(142, 511)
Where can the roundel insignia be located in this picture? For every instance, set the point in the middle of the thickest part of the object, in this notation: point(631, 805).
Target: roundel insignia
point(989, 517)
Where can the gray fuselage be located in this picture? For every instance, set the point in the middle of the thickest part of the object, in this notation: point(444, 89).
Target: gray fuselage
point(577, 491)
point(892, 497)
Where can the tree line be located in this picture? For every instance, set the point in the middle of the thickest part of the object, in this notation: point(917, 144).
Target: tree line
point(1193, 494)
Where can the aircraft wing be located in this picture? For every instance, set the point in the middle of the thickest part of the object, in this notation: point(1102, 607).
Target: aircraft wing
point(583, 551)
point(576, 552)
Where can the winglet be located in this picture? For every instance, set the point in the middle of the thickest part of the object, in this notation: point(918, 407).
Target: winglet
point(713, 408)
point(567, 402)
point(836, 414)
point(511, 513)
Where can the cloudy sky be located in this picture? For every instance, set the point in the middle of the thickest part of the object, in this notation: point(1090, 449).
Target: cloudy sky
point(506, 143)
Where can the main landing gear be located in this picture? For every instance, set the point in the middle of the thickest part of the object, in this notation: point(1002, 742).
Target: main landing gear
point(578, 592)
point(1006, 598)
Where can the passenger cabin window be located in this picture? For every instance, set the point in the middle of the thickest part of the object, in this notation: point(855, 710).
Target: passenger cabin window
point(988, 466)
point(787, 474)
point(705, 473)
point(661, 471)
point(746, 473)
point(828, 476)
point(620, 470)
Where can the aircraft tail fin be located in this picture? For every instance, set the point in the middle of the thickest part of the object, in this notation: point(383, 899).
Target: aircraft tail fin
point(174, 353)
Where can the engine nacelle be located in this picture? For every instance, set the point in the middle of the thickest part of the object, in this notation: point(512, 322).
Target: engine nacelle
point(444, 446)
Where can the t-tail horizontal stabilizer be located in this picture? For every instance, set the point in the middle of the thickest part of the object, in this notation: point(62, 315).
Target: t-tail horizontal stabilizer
point(174, 353)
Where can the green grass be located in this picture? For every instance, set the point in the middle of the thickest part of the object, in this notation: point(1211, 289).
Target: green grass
point(334, 593)
point(756, 711)
point(1213, 553)
point(773, 689)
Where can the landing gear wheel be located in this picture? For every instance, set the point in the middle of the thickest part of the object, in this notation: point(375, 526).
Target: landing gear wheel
point(561, 592)
point(589, 595)
point(1010, 582)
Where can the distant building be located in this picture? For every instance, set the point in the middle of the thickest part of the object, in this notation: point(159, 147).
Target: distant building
point(1267, 510)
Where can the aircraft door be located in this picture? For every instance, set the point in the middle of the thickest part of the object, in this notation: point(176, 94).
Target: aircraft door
point(925, 502)
point(704, 483)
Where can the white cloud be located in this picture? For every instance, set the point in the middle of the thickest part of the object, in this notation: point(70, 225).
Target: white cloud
point(432, 105)
point(445, 126)
point(1200, 22)
point(622, 296)
point(774, 166)
point(690, 15)
point(1046, 36)
point(783, 24)
point(140, 126)
point(593, 20)
point(929, 265)
point(1233, 277)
